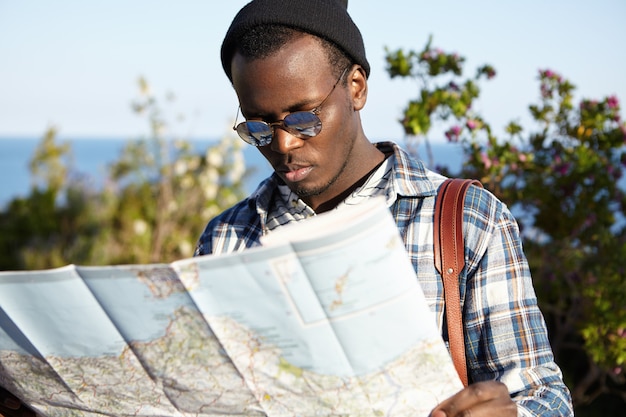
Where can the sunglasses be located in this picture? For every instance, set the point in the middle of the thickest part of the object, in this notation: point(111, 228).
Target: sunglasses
point(301, 124)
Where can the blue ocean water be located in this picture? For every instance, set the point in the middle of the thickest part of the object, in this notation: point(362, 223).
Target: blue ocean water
point(90, 158)
point(89, 161)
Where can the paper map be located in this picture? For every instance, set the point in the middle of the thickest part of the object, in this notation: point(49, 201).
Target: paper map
point(326, 318)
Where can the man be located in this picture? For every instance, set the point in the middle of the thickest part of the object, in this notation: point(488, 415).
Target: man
point(11, 406)
point(300, 72)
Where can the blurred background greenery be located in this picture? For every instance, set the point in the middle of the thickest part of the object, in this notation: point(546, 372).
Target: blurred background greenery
point(563, 178)
point(561, 174)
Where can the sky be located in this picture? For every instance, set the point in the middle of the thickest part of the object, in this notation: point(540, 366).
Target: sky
point(74, 64)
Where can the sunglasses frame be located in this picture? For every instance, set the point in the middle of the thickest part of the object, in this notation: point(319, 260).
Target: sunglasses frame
point(292, 130)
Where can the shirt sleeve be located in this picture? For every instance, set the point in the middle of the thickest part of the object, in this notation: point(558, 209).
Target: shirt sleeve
point(234, 230)
point(505, 332)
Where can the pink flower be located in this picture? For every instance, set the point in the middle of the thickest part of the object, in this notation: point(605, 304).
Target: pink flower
point(471, 124)
point(485, 159)
point(551, 75)
point(589, 105)
point(562, 168)
point(614, 171)
point(590, 220)
point(453, 134)
point(612, 102)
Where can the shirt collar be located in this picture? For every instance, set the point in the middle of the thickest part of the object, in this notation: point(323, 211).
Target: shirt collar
point(408, 177)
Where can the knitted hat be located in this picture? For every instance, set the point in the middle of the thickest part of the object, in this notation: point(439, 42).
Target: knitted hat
point(328, 19)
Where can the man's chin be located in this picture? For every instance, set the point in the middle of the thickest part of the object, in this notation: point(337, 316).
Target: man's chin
point(304, 191)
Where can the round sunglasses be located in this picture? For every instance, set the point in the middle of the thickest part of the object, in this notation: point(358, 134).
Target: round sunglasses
point(301, 124)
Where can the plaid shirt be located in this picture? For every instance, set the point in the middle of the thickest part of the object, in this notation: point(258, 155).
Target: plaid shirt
point(505, 334)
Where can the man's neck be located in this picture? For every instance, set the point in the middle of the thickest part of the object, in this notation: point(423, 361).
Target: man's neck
point(333, 202)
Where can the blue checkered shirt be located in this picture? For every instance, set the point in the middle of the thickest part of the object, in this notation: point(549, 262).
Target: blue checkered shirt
point(505, 333)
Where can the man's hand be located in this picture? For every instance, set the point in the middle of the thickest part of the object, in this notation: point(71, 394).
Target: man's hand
point(482, 399)
point(11, 406)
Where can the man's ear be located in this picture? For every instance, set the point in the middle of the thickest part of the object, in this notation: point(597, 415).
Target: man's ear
point(357, 82)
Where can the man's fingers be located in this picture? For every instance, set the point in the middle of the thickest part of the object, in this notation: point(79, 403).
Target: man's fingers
point(20, 411)
point(11, 406)
point(480, 399)
point(8, 400)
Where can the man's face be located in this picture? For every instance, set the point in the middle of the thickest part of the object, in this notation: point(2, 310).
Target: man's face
point(298, 77)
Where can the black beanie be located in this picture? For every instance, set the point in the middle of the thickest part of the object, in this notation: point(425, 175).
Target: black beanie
point(328, 19)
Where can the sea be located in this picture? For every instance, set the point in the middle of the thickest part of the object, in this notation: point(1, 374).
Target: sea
point(92, 156)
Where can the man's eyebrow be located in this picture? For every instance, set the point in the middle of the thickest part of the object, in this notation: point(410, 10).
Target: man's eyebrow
point(314, 102)
point(303, 105)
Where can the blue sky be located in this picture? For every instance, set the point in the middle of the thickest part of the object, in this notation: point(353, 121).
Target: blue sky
point(74, 63)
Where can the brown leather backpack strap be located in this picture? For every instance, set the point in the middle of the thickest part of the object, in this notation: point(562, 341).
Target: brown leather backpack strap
point(450, 260)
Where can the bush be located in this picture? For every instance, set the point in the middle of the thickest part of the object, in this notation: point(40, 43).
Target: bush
point(563, 183)
point(157, 199)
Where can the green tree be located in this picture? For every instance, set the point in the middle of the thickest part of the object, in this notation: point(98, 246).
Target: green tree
point(162, 193)
point(52, 224)
point(158, 196)
point(562, 180)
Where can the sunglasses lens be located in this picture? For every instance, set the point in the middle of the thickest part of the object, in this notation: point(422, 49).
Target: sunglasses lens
point(303, 124)
point(255, 133)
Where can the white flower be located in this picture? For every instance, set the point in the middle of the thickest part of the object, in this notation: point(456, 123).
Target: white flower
point(214, 158)
point(180, 167)
point(238, 169)
point(140, 227)
point(185, 248)
point(211, 176)
point(210, 190)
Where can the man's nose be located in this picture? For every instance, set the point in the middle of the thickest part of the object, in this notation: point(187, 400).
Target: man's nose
point(283, 142)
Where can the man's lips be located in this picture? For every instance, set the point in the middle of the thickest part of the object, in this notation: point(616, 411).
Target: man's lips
point(295, 173)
